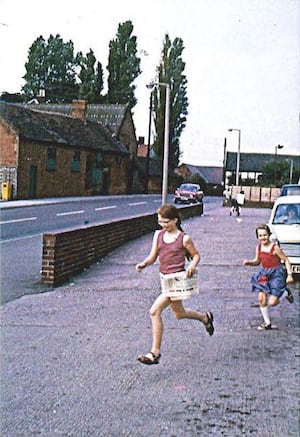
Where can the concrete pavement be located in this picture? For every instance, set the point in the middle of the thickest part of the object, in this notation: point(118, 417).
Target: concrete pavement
point(69, 363)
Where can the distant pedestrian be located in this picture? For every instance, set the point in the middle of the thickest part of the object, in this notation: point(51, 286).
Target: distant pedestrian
point(237, 203)
point(226, 196)
point(270, 282)
point(172, 245)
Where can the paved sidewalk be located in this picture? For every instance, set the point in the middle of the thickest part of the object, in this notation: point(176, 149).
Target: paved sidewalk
point(69, 363)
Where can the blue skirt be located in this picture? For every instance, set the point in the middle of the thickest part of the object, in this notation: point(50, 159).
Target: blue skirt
point(271, 281)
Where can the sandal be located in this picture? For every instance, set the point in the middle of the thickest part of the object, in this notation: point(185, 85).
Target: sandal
point(289, 296)
point(264, 327)
point(149, 358)
point(209, 325)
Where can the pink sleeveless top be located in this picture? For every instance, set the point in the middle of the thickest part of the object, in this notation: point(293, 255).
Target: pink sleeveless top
point(171, 255)
point(268, 260)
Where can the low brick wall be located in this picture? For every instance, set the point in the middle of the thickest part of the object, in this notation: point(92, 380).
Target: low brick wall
point(68, 252)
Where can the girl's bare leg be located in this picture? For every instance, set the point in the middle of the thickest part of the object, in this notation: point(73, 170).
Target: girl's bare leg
point(273, 301)
point(184, 313)
point(156, 310)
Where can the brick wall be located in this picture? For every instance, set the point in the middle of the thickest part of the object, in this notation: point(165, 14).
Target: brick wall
point(68, 252)
point(118, 167)
point(8, 157)
point(9, 146)
point(63, 181)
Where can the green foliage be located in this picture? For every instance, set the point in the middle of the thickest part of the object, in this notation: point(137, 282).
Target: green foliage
point(11, 97)
point(123, 66)
point(277, 173)
point(91, 78)
point(51, 66)
point(170, 71)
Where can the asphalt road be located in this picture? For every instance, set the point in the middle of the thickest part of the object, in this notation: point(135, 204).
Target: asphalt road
point(22, 228)
point(48, 215)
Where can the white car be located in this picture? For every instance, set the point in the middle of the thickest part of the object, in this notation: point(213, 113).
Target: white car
point(284, 223)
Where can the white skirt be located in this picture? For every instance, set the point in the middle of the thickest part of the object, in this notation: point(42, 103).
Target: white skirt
point(178, 286)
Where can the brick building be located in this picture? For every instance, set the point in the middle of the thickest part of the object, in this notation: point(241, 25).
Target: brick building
point(116, 117)
point(51, 154)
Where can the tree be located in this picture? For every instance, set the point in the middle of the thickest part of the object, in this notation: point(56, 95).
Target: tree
point(277, 173)
point(11, 97)
point(170, 71)
point(91, 78)
point(51, 66)
point(123, 66)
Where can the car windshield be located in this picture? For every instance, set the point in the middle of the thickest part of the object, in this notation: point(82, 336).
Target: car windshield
point(289, 190)
point(287, 214)
point(188, 187)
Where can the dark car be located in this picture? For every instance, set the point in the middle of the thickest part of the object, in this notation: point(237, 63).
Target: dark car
point(188, 193)
point(290, 190)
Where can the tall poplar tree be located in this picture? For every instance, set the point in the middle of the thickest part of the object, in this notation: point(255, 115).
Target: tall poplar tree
point(123, 66)
point(91, 77)
point(51, 66)
point(170, 71)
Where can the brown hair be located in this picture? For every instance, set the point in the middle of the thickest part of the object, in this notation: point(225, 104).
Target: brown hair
point(170, 212)
point(262, 227)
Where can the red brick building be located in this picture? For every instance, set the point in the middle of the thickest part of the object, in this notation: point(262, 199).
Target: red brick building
point(51, 154)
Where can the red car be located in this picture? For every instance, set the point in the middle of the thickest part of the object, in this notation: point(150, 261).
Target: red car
point(188, 193)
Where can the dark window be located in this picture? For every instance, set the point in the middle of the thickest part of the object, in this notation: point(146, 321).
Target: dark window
point(76, 161)
point(51, 158)
point(99, 160)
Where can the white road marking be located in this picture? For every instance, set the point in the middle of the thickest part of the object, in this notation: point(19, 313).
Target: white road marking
point(18, 220)
point(21, 238)
point(59, 214)
point(105, 207)
point(137, 203)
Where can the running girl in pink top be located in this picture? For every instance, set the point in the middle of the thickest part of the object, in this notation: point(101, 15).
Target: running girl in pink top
point(270, 282)
point(172, 246)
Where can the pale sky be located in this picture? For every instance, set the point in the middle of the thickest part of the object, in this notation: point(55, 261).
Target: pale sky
point(242, 62)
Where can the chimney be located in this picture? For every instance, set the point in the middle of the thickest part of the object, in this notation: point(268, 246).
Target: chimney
point(79, 109)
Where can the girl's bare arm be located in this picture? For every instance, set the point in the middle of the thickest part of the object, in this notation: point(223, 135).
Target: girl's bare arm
point(279, 252)
point(151, 258)
point(193, 252)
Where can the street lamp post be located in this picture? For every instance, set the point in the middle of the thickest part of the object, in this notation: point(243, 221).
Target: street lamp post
point(275, 161)
point(224, 162)
point(280, 146)
point(149, 142)
point(237, 172)
point(291, 171)
point(166, 140)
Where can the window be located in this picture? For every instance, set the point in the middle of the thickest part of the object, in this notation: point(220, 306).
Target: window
point(76, 161)
point(99, 160)
point(51, 158)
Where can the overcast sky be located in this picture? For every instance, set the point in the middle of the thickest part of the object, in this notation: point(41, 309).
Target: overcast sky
point(242, 62)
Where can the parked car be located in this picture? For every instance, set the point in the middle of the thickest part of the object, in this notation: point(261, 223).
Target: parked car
point(188, 193)
point(284, 223)
point(290, 189)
